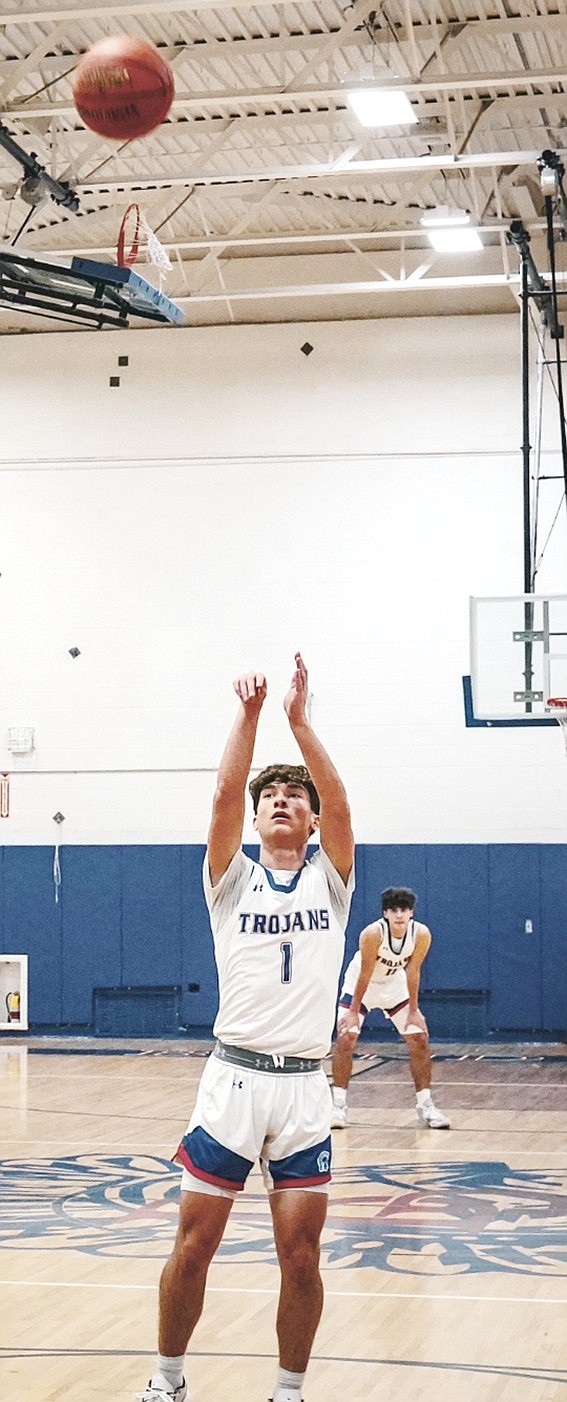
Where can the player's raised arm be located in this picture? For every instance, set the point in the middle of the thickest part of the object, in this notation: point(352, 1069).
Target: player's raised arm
point(225, 832)
point(334, 823)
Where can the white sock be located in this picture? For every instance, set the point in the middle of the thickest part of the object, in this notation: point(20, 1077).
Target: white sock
point(169, 1372)
point(288, 1386)
point(423, 1097)
point(339, 1095)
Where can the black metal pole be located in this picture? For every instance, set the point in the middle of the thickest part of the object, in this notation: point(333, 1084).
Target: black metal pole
point(526, 459)
point(560, 397)
point(526, 446)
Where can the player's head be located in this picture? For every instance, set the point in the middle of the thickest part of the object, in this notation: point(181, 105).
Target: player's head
point(286, 806)
point(398, 898)
point(294, 775)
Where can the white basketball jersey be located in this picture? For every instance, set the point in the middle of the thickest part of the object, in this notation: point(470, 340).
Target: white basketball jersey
point(279, 944)
point(393, 954)
point(388, 983)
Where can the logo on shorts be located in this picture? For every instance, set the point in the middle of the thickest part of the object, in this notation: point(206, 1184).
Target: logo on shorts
point(324, 1161)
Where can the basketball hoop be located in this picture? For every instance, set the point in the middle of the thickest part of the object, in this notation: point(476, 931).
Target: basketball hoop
point(123, 258)
point(557, 707)
point(135, 226)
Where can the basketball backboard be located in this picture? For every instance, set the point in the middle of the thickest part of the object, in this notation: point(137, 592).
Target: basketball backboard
point(86, 294)
point(518, 659)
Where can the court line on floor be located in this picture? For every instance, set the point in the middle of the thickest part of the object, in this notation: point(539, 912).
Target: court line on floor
point(376, 1058)
point(502, 1370)
point(536, 1084)
point(431, 1150)
point(267, 1290)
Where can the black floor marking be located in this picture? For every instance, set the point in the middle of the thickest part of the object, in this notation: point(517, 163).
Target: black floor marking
point(513, 1370)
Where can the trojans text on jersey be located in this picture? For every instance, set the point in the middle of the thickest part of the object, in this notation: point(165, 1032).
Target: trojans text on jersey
point(257, 923)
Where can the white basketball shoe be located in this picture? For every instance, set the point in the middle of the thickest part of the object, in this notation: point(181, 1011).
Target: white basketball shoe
point(432, 1118)
point(338, 1117)
point(161, 1394)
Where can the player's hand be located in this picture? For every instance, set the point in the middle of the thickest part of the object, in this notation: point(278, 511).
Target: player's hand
point(348, 1028)
point(295, 700)
point(415, 1019)
point(251, 689)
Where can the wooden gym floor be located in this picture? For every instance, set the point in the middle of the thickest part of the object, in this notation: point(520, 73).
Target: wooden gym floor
point(444, 1255)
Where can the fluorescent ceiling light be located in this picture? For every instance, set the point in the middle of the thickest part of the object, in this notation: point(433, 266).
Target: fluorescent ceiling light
point(448, 230)
point(381, 107)
point(455, 240)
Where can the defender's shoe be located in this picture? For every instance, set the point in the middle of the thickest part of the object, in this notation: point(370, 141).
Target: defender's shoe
point(161, 1394)
point(431, 1117)
point(338, 1117)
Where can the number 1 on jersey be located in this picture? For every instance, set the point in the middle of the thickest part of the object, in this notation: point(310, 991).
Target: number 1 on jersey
point(287, 951)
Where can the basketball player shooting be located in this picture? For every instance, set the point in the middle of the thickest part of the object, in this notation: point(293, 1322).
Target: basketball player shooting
point(278, 927)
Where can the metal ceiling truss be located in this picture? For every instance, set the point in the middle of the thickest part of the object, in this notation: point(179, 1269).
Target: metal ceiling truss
point(271, 200)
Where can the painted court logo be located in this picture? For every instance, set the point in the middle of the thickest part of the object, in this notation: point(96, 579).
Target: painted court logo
point(451, 1219)
point(439, 1220)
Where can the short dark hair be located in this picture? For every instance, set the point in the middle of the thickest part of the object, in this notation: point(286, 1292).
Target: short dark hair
point(284, 774)
point(398, 897)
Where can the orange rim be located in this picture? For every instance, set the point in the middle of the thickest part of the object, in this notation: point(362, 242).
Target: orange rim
point(127, 259)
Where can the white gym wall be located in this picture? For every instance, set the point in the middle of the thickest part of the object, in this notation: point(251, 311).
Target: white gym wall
point(234, 499)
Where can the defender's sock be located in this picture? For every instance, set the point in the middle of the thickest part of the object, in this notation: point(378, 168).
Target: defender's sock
point(288, 1386)
point(169, 1372)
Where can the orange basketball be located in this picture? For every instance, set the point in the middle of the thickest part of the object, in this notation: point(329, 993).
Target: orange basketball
point(122, 88)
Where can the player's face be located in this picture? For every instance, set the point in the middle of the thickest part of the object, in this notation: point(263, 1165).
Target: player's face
point(285, 815)
point(398, 919)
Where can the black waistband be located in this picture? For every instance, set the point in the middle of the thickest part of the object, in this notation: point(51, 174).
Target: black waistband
point(263, 1061)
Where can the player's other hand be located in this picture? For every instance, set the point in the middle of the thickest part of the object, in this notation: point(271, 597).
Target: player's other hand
point(416, 1020)
point(295, 700)
point(348, 1028)
point(251, 689)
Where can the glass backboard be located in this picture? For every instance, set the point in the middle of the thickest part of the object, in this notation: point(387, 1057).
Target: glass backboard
point(518, 647)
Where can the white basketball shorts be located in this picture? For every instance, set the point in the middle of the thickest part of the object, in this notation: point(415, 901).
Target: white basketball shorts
point(242, 1116)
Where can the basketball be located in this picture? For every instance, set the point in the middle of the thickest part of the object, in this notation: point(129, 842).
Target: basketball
point(122, 88)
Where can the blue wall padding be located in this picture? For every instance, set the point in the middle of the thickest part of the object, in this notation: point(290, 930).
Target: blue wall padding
point(200, 995)
point(151, 915)
point(31, 924)
point(455, 905)
point(91, 906)
point(553, 888)
point(515, 956)
point(134, 917)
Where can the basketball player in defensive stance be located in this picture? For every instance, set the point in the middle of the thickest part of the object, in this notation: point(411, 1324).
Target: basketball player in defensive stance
point(278, 927)
point(385, 973)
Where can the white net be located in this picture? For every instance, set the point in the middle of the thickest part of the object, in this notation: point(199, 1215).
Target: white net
point(157, 254)
point(138, 240)
point(557, 707)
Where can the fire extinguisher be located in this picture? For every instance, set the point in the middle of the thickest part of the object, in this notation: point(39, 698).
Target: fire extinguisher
point(13, 1007)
